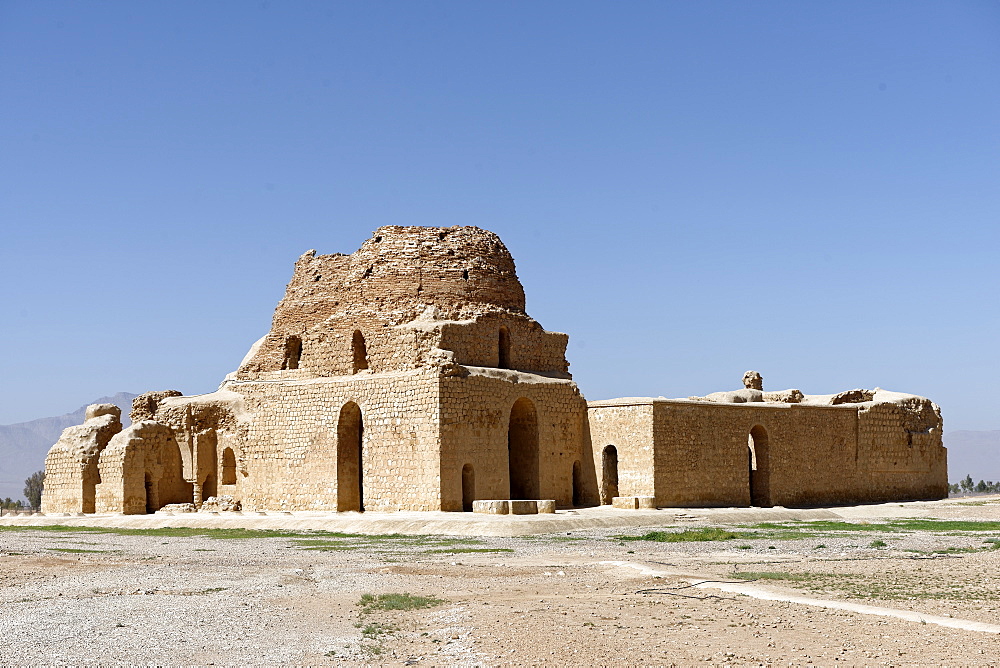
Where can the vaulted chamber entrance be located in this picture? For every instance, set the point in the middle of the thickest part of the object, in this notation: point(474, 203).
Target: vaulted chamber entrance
point(759, 462)
point(522, 450)
point(228, 467)
point(359, 351)
point(209, 488)
point(503, 345)
point(609, 474)
point(577, 484)
point(468, 487)
point(152, 498)
point(293, 353)
point(350, 476)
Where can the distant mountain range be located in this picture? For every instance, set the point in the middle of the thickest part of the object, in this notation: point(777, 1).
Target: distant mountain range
point(23, 446)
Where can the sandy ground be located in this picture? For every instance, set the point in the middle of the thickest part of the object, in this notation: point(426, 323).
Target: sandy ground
point(577, 597)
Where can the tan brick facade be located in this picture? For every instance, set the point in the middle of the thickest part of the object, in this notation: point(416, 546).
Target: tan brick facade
point(407, 376)
point(700, 453)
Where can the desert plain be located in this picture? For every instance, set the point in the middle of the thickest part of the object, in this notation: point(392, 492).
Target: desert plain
point(888, 584)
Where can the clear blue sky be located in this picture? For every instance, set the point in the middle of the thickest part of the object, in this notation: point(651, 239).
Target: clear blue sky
point(690, 190)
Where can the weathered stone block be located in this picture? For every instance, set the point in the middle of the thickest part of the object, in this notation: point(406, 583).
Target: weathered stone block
point(523, 507)
point(486, 507)
point(178, 508)
point(625, 502)
point(546, 506)
point(646, 502)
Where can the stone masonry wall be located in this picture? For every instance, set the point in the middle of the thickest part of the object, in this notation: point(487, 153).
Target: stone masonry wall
point(290, 448)
point(629, 428)
point(475, 416)
point(814, 454)
point(901, 451)
point(71, 472)
point(141, 471)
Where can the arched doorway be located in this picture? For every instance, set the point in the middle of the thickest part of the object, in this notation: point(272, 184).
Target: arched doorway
point(293, 352)
point(350, 476)
point(209, 488)
point(360, 351)
point(503, 345)
point(91, 479)
point(522, 450)
point(609, 474)
point(152, 498)
point(577, 483)
point(759, 474)
point(468, 487)
point(228, 467)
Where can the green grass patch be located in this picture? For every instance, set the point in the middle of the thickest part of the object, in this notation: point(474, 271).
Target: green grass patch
point(878, 543)
point(372, 602)
point(375, 630)
point(166, 532)
point(467, 550)
point(897, 587)
point(945, 525)
point(773, 575)
point(346, 542)
point(803, 529)
point(686, 536)
point(307, 539)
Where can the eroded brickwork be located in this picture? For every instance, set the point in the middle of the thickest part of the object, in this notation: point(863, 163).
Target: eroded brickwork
point(738, 453)
point(71, 472)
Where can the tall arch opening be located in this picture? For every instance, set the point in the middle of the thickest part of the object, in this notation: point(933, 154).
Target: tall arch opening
point(228, 467)
point(152, 498)
point(503, 345)
point(522, 450)
point(468, 487)
point(609, 474)
point(360, 351)
point(759, 465)
point(91, 479)
point(577, 483)
point(209, 487)
point(350, 476)
point(293, 352)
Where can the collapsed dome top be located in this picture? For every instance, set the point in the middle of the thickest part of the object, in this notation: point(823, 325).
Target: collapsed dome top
point(448, 267)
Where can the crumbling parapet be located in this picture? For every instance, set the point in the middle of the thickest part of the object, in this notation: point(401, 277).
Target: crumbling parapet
point(145, 405)
point(71, 466)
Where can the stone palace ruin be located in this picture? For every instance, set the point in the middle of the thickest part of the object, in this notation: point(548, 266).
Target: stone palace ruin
point(408, 376)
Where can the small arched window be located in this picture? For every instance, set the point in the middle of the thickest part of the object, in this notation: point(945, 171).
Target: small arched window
point(360, 351)
point(503, 343)
point(228, 467)
point(293, 352)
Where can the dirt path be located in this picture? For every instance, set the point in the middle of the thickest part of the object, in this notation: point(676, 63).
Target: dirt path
point(587, 598)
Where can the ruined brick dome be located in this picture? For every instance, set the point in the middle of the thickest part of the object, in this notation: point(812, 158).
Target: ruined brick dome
point(401, 271)
point(448, 267)
point(409, 277)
